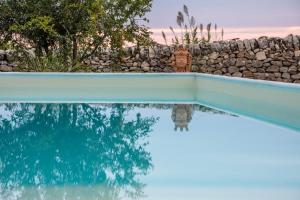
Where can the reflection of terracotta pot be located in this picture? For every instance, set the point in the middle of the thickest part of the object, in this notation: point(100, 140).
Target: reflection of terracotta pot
point(182, 116)
point(182, 60)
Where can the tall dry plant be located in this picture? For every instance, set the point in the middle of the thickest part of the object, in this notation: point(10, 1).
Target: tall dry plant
point(222, 34)
point(189, 30)
point(216, 33)
point(164, 37)
point(201, 31)
point(208, 29)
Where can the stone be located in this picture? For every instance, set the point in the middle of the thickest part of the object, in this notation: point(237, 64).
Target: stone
point(202, 62)
point(4, 68)
point(267, 60)
point(153, 63)
point(194, 68)
point(247, 45)
point(260, 75)
point(241, 45)
point(233, 45)
point(145, 66)
point(240, 62)
point(273, 68)
point(261, 55)
point(93, 62)
point(296, 42)
point(296, 76)
point(293, 70)
point(226, 56)
point(297, 81)
point(297, 53)
point(289, 40)
point(135, 64)
point(237, 74)
point(142, 52)
point(247, 74)
point(253, 44)
point(146, 69)
point(263, 42)
point(257, 64)
point(233, 69)
point(151, 53)
point(218, 72)
point(214, 55)
point(216, 46)
point(283, 69)
point(232, 61)
point(2, 54)
point(133, 68)
point(96, 59)
point(286, 63)
point(277, 75)
point(196, 50)
point(11, 55)
point(277, 63)
point(252, 69)
point(3, 62)
point(241, 54)
point(286, 75)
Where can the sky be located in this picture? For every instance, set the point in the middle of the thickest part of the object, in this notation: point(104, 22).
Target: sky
point(241, 18)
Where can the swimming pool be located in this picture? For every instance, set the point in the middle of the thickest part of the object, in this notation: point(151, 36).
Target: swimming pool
point(155, 136)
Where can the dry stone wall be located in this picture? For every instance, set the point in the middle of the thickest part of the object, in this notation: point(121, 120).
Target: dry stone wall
point(274, 59)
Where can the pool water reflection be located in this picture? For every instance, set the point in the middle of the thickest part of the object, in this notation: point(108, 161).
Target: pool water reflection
point(143, 151)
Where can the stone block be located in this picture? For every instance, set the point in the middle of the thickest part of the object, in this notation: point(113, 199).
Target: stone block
point(5, 68)
point(257, 64)
point(233, 69)
point(296, 76)
point(286, 75)
point(241, 45)
point(283, 69)
point(261, 55)
point(214, 55)
point(293, 70)
point(218, 72)
point(248, 74)
point(273, 68)
point(247, 45)
point(240, 62)
point(277, 63)
point(237, 74)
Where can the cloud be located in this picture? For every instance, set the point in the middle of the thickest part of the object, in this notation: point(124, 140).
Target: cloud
point(231, 32)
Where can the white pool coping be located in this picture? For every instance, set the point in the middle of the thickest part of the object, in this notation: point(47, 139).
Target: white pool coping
point(273, 102)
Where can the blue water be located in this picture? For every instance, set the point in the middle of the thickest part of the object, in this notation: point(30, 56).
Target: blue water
point(143, 151)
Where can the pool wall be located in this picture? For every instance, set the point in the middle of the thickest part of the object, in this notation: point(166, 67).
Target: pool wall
point(277, 103)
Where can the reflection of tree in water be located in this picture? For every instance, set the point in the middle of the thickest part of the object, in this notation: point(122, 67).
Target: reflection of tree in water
point(74, 144)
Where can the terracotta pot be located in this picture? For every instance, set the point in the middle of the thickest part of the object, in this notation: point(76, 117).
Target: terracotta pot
point(182, 60)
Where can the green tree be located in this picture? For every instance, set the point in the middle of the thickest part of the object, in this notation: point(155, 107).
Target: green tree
point(74, 29)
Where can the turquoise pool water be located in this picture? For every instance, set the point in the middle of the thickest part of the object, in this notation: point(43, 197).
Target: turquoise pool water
point(143, 151)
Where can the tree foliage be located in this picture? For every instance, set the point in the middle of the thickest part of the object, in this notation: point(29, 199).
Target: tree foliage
point(74, 29)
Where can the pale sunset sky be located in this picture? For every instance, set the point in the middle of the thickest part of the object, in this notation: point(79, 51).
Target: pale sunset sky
point(240, 18)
